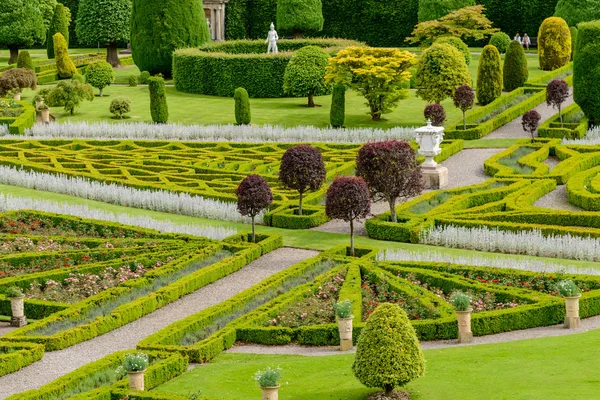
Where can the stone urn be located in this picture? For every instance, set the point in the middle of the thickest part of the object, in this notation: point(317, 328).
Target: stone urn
point(464, 326)
point(270, 392)
point(17, 96)
point(345, 329)
point(45, 115)
point(136, 380)
point(17, 306)
point(38, 104)
point(572, 320)
point(429, 139)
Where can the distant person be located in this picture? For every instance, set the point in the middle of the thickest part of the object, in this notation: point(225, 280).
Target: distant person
point(518, 38)
point(526, 41)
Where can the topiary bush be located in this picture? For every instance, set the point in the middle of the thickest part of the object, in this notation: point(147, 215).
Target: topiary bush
point(132, 80)
point(515, 72)
point(143, 78)
point(554, 44)
point(59, 24)
point(464, 99)
point(337, 114)
point(99, 74)
point(574, 32)
point(24, 60)
point(120, 106)
point(388, 353)
point(243, 115)
point(305, 74)
point(158, 100)
point(576, 11)
point(458, 45)
point(489, 75)
point(586, 74)
point(64, 65)
point(158, 28)
point(435, 113)
point(299, 17)
point(17, 78)
point(254, 195)
point(501, 41)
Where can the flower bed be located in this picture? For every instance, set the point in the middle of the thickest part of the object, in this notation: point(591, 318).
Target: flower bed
point(575, 124)
point(18, 119)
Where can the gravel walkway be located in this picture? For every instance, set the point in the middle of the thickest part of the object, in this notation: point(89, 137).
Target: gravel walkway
point(534, 333)
point(557, 200)
point(514, 129)
point(58, 363)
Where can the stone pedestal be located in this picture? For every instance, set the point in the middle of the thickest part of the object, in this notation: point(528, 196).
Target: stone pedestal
point(429, 138)
point(270, 393)
point(18, 321)
point(464, 326)
point(435, 177)
point(345, 329)
point(572, 320)
point(345, 345)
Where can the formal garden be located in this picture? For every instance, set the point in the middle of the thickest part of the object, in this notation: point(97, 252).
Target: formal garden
point(299, 199)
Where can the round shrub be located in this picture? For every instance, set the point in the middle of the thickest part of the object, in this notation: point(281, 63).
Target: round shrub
point(64, 65)
point(99, 74)
point(132, 80)
point(435, 113)
point(305, 74)
point(158, 100)
point(441, 69)
point(242, 107)
point(299, 17)
point(143, 78)
point(120, 106)
point(458, 44)
point(24, 60)
point(554, 44)
point(388, 353)
point(515, 72)
point(489, 75)
point(586, 74)
point(337, 114)
point(501, 41)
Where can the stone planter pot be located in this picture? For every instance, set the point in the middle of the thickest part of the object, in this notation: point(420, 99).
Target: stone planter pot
point(38, 104)
point(464, 326)
point(46, 116)
point(136, 380)
point(270, 393)
point(17, 97)
point(572, 320)
point(345, 329)
point(18, 307)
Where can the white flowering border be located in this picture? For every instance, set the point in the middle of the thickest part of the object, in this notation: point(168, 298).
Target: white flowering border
point(9, 203)
point(530, 242)
point(592, 137)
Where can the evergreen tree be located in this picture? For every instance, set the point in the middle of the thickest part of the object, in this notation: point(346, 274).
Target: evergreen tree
point(60, 23)
point(158, 100)
point(434, 9)
point(243, 115)
point(24, 60)
point(489, 75)
point(64, 65)
point(337, 114)
point(554, 44)
point(305, 74)
point(515, 72)
point(586, 74)
point(299, 17)
point(21, 25)
point(576, 11)
point(441, 69)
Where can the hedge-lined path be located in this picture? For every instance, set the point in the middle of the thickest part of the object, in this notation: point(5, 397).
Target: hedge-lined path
point(557, 200)
point(533, 333)
point(57, 363)
point(464, 169)
point(514, 129)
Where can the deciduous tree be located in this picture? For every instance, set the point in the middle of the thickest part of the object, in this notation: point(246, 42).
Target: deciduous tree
point(531, 121)
point(557, 92)
point(435, 113)
point(254, 195)
point(464, 99)
point(70, 94)
point(305, 74)
point(17, 78)
point(21, 25)
point(99, 74)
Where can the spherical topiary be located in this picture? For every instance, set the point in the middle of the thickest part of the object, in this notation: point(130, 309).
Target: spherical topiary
point(574, 32)
point(243, 115)
point(388, 353)
point(305, 74)
point(120, 106)
point(501, 41)
point(132, 80)
point(254, 195)
point(158, 100)
point(576, 11)
point(554, 44)
point(489, 75)
point(458, 44)
point(515, 72)
point(586, 74)
point(64, 65)
point(337, 114)
point(60, 23)
point(160, 27)
point(435, 113)
point(441, 69)
point(99, 74)
point(299, 17)
point(24, 60)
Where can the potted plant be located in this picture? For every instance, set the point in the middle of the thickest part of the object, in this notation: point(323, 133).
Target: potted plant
point(570, 291)
point(268, 380)
point(39, 100)
point(17, 305)
point(45, 110)
point(135, 365)
point(462, 305)
point(343, 312)
point(16, 94)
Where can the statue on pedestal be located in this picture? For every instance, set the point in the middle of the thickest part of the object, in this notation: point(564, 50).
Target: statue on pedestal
point(272, 39)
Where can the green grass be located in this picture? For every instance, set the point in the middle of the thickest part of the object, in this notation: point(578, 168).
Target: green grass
point(40, 54)
point(550, 368)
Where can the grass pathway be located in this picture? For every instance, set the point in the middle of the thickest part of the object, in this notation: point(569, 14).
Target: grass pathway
point(57, 363)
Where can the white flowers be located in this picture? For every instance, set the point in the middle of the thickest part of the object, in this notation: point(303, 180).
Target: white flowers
point(592, 137)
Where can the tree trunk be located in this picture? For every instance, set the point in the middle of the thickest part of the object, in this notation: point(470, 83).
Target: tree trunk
point(388, 390)
point(253, 233)
point(392, 203)
point(311, 100)
point(464, 120)
point(112, 55)
point(351, 238)
point(14, 54)
point(100, 92)
point(297, 34)
point(560, 116)
point(300, 205)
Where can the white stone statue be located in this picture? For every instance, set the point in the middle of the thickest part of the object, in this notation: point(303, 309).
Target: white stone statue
point(272, 39)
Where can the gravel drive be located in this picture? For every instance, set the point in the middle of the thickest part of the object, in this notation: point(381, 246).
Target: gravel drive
point(58, 363)
point(557, 200)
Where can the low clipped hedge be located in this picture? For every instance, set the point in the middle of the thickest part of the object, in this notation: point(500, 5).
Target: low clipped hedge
point(23, 355)
point(551, 128)
point(218, 68)
point(543, 80)
point(583, 190)
point(17, 125)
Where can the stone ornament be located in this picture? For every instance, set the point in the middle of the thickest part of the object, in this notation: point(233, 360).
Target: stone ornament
point(429, 139)
point(272, 39)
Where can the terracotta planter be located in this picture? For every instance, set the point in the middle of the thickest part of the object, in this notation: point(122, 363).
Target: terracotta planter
point(136, 380)
point(17, 306)
point(270, 393)
point(17, 97)
point(345, 329)
point(38, 104)
point(464, 326)
point(46, 116)
point(572, 320)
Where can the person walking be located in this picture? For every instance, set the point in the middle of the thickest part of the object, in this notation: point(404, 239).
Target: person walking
point(526, 41)
point(518, 38)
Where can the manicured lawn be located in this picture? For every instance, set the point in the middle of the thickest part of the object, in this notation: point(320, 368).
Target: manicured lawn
point(550, 368)
point(40, 54)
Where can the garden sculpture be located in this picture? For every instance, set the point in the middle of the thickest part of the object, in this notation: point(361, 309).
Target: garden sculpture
point(272, 39)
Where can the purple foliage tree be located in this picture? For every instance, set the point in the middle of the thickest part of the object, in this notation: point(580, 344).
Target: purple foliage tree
point(435, 113)
point(557, 92)
point(391, 171)
point(302, 169)
point(254, 195)
point(531, 121)
point(464, 99)
point(348, 199)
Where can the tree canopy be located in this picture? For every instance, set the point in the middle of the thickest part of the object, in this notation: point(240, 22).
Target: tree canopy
point(21, 25)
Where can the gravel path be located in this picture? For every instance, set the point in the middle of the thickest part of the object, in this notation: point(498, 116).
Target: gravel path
point(58, 363)
point(557, 200)
point(514, 129)
point(534, 333)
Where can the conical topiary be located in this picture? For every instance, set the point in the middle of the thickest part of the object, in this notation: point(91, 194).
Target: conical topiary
point(489, 75)
point(64, 65)
point(24, 60)
point(60, 23)
point(515, 72)
point(554, 44)
point(388, 353)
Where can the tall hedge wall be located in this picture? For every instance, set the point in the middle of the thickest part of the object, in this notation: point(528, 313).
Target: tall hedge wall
point(522, 16)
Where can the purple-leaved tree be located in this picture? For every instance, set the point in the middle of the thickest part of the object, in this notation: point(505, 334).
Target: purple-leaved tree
point(435, 113)
point(557, 92)
point(254, 195)
point(464, 99)
point(531, 121)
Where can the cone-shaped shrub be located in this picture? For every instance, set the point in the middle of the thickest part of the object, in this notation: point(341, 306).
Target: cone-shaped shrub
point(24, 60)
point(554, 44)
point(243, 115)
point(299, 17)
point(337, 114)
point(515, 70)
point(64, 65)
point(586, 74)
point(60, 23)
point(99, 74)
point(458, 45)
point(489, 75)
point(254, 195)
point(501, 41)
point(158, 100)
point(388, 353)
point(574, 32)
